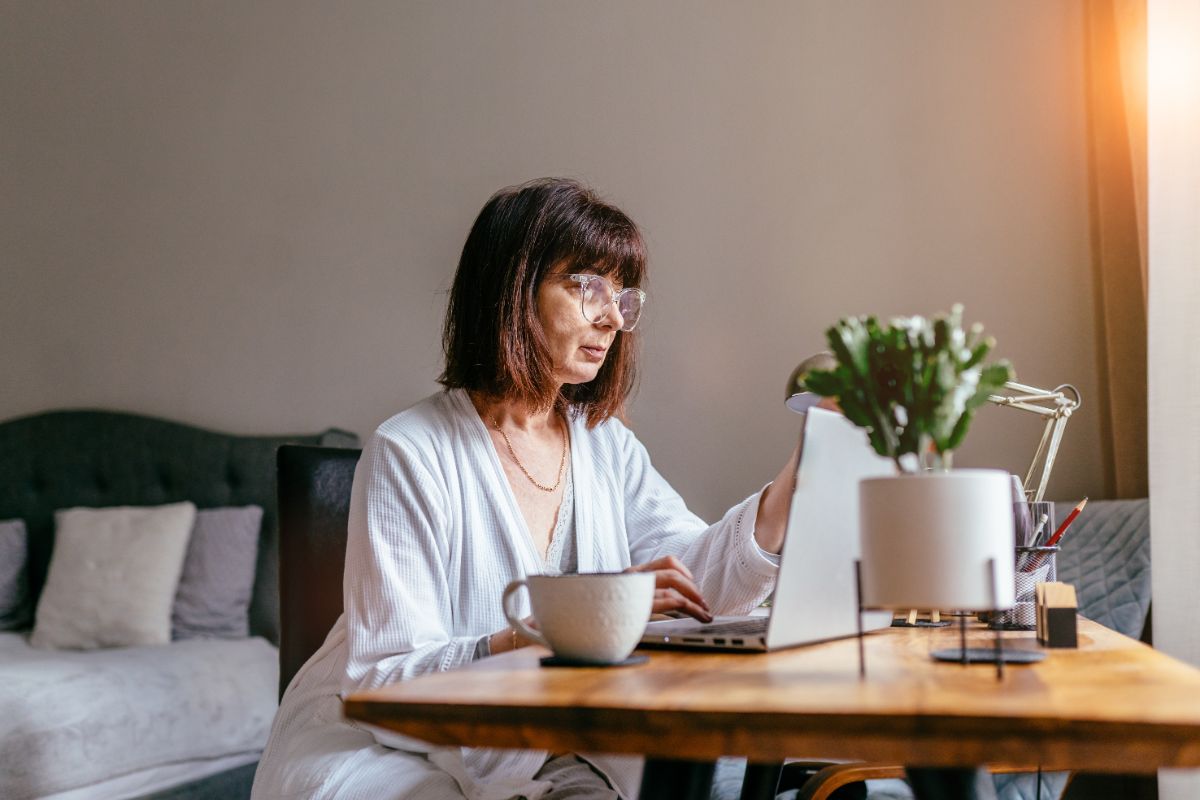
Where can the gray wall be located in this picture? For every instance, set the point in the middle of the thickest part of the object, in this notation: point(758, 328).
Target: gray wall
point(246, 215)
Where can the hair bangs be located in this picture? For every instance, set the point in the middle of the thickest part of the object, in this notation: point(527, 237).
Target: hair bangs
point(600, 238)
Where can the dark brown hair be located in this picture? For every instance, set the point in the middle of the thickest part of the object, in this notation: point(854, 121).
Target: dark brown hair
point(492, 339)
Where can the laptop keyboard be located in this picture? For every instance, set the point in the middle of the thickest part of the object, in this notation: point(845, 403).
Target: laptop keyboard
point(744, 627)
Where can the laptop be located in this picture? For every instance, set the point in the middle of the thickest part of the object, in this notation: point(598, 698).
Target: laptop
point(815, 597)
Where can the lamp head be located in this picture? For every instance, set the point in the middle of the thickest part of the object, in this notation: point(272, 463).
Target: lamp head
point(799, 398)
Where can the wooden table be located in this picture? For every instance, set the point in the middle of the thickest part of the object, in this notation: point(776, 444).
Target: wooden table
point(1114, 704)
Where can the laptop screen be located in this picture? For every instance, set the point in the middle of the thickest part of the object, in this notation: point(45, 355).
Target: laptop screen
point(815, 598)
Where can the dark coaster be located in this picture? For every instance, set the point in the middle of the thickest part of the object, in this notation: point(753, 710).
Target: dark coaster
point(987, 655)
point(558, 661)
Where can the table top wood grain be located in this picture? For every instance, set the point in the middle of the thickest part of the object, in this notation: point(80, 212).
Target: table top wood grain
point(1114, 704)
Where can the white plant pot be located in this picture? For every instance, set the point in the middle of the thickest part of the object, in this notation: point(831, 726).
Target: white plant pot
point(938, 541)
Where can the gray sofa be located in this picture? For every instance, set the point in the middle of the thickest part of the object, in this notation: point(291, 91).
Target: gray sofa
point(104, 717)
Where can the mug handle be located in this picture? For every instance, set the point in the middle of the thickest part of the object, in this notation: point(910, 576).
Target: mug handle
point(516, 621)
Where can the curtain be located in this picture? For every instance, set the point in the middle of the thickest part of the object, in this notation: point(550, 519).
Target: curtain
point(1116, 81)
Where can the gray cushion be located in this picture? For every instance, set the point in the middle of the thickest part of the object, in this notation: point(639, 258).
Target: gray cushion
point(14, 584)
point(213, 600)
point(1106, 555)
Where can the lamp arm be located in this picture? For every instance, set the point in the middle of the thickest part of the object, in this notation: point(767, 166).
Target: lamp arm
point(1010, 402)
point(1058, 411)
point(1037, 459)
point(1022, 387)
point(1060, 425)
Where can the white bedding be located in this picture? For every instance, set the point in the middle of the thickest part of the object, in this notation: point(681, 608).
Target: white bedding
point(70, 719)
point(155, 779)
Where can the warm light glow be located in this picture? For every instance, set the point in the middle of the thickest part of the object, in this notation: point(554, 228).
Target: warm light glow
point(1174, 58)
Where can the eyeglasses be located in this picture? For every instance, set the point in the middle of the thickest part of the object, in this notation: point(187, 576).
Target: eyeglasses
point(596, 295)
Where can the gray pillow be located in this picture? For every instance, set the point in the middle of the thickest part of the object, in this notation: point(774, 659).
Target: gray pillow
point(14, 585)
point(213, 599)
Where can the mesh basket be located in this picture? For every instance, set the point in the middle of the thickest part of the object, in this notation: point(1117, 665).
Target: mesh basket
point(1034, 565)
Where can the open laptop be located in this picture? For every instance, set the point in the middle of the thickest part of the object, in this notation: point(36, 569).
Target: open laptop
point(815, 592)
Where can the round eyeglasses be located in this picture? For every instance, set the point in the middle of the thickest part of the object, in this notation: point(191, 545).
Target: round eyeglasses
point(596, 295)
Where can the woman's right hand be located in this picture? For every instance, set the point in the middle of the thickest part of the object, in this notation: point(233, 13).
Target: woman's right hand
point(674, 588)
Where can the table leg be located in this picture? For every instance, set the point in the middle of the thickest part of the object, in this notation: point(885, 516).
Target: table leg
point(761, 781)
point(672, 779)
point(951, 784)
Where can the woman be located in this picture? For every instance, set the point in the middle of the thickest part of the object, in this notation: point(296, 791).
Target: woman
point(520, 466)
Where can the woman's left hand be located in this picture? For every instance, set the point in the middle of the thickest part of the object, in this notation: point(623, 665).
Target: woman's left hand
point(674, 588)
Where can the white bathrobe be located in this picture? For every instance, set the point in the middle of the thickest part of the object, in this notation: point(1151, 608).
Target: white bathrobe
point(435, 535)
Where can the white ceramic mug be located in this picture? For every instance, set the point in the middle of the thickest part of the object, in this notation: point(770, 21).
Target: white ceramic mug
point(596, 617)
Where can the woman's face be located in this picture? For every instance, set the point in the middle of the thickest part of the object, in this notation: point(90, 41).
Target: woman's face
point(578, 347)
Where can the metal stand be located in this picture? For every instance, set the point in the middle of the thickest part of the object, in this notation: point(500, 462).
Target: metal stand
point(862, 649)
point(998, 640)
point(961, 654)
point(995, 654)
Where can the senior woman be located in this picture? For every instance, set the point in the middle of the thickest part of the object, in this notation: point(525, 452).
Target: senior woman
point(520, 466)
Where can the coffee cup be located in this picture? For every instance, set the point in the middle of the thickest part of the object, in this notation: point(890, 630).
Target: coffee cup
point(595, 618)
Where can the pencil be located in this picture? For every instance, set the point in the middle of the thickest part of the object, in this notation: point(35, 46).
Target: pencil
point(1066, 523)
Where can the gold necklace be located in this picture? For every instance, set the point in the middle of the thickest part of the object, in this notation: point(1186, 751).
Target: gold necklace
point(562, 462)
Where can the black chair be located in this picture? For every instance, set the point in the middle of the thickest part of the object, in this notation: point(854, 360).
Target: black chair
point(314, 505)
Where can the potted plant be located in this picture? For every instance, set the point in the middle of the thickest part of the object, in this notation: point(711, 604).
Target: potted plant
point(932, 537)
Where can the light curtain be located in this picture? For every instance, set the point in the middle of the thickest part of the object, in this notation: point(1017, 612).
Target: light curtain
point(1116, 85)
point(1174, 388)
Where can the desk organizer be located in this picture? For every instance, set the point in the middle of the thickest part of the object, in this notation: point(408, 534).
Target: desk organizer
point(1033, 565)
point(1057, 610)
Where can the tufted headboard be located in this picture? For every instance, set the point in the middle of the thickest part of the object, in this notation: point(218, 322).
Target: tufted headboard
point(61, 459)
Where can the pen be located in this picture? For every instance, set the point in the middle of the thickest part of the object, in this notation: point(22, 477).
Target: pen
point(1058, 534)
point(1040, 525)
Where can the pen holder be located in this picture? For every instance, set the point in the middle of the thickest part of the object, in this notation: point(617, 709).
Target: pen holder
point(1032, 521)
point(1034, 565)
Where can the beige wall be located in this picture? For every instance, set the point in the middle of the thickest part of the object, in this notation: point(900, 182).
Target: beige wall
point(246, 215)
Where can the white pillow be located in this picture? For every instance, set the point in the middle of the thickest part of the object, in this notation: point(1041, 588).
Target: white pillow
point(113, 576)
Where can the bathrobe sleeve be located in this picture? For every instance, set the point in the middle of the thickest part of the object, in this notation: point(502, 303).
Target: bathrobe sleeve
point(397, 596)
point(731, 570)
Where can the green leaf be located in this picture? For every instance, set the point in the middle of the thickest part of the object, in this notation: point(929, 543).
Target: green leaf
point(912, 382)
